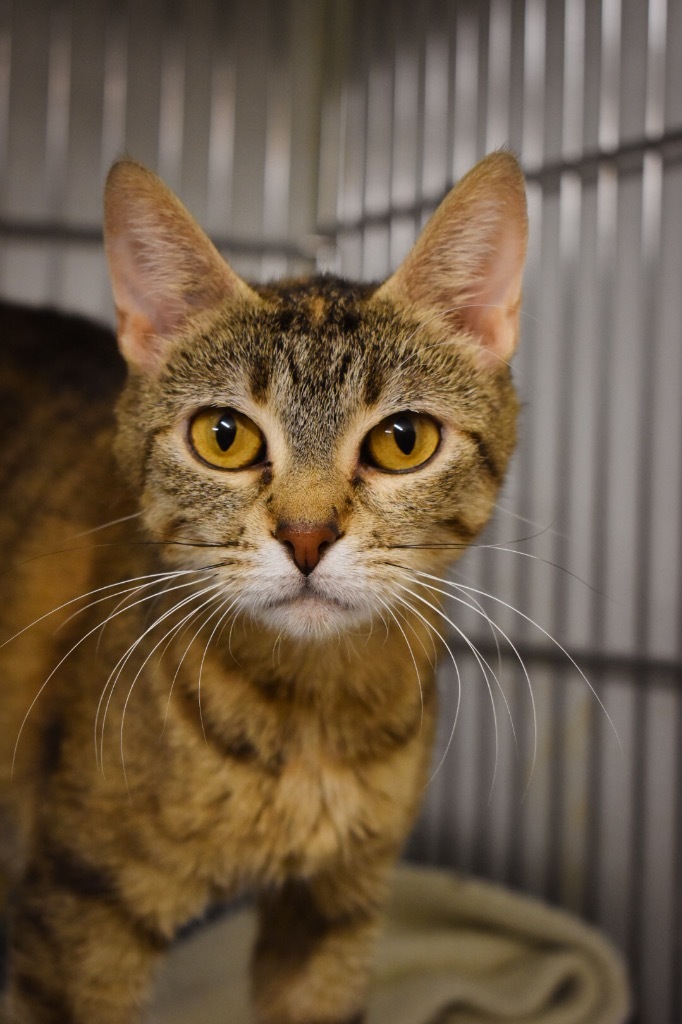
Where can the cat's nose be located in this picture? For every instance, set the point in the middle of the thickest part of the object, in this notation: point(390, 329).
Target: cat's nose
point(307, 542)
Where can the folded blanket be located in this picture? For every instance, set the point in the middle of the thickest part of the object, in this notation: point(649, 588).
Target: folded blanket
point(453, 951)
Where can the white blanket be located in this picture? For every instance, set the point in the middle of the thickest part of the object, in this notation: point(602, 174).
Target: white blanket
point(454, 951)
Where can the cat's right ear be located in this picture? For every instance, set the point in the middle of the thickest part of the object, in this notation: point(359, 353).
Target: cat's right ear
point(163, 267)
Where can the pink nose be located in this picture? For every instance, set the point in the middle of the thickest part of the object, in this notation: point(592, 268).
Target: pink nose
point(307, 542)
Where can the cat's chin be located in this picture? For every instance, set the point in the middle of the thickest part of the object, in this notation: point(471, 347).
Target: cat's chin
point(312, 617)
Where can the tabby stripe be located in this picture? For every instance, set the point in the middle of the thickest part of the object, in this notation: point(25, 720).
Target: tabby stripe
point(70, 873)
point(53, 1006)
point(237, 747)
point(30, 920)
point(359, 1018)
point(486, 457)
point(458, 526)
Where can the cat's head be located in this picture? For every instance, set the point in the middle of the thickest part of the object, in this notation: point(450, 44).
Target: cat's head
point(315, 440)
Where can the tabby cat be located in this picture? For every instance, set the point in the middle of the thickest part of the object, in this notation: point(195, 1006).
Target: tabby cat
point(219, 611)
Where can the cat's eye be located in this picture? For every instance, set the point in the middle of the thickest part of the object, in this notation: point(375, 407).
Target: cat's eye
point(402, 442)
point(226, 439)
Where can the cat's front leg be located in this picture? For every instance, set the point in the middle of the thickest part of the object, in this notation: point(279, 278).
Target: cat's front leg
point(79, 954)
point(314, 950)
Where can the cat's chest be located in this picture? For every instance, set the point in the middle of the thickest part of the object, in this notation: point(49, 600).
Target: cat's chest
point(299, 814)
point(305, 817)
point(290, 804)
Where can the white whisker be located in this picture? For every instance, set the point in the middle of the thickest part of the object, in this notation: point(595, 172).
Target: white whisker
point(115, 673)
point(141, 668)
point(430, 626)
point(230, 602)
point(186, 652)
point(433, 656)
point(61, 661)
point(541, 629)
point(168, 637)
point(105, 526)
point(414, 660)
point(483, 665)
point(538, 558)
point(474, 605)
point(155, 577)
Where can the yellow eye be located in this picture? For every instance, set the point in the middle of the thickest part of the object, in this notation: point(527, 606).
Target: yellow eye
point(402, 442)
point(226, 439)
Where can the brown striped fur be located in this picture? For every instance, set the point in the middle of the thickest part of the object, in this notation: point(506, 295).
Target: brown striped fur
point(280, 750)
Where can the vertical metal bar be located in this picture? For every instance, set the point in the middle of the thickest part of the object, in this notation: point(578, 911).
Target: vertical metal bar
point(524, 839)
point(379, 143)
point(5, 70)
point(57, 103)
point(676, 944)
point(499, 72)
point(561, 837)
point(114, 106)
point(605, 226)
point(418, 11)
point(653, 974)
point(221, 138)
point(516, 74)
point(114, 100)
point(194, 111)
point(436, 94)
point(5, 80)
point(651, 240)
point(574, 78)
point(572, 788)
point(278, 134)
point(554, 365)
point(172, 95)
point(609, 93)
point(404, 119)
point(354, 115)
point(466, 97)
point(308, 59)
point(57, 130)
point(335, 35)
point(673, 116)
point(363, 134)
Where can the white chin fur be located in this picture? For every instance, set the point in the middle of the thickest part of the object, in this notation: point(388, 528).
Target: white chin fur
point(310, 618)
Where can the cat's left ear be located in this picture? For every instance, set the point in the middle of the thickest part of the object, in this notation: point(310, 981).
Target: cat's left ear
point(163, 268)
point(465, 270)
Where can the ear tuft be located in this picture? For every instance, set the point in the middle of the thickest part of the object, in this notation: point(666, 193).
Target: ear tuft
point(466, 267)
point(163, 267)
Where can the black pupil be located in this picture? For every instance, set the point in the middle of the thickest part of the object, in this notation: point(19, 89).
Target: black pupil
point(225, 430)
point(404, 434)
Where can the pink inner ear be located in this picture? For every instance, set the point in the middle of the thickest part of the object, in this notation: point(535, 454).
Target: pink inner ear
point(467, 265)
point(492, 308)
point(143, 315)
point(138, 341)
point(163, 267)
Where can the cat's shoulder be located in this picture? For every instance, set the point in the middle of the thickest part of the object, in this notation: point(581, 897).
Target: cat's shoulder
point(63, 351)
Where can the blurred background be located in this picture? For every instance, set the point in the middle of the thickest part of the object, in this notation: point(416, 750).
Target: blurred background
point(319, 134)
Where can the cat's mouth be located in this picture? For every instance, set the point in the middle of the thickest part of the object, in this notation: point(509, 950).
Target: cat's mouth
point(309, 613)
point(306, 598)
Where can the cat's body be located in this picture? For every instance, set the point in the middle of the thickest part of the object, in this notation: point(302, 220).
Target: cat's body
point(257, 712)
